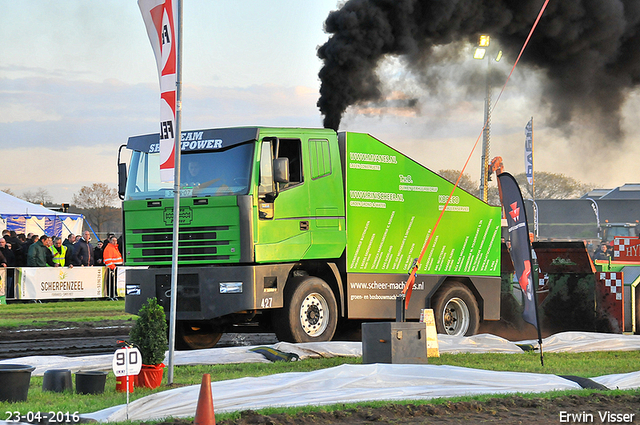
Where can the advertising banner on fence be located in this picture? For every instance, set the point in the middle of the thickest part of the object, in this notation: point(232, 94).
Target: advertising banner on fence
point(121, 278)
point(39, 283)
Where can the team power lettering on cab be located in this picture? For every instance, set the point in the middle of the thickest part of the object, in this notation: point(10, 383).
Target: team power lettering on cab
point(191, 141)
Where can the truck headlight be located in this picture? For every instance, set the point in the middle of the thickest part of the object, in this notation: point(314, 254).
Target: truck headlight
point(230, 287)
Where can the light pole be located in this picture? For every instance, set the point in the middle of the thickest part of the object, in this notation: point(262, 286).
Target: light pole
point(479, 53)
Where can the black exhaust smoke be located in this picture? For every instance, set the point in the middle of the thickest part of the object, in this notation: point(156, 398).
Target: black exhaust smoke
point(588, 50)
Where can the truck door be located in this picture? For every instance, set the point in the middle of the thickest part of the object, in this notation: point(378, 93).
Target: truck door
point(283, 223)
point(326, 201)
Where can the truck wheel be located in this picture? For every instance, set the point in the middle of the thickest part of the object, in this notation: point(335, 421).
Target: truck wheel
point(310, 312)
point(456, 310)
point(196, 335)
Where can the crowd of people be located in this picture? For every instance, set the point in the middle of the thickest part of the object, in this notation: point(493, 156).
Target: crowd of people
point(20, 250)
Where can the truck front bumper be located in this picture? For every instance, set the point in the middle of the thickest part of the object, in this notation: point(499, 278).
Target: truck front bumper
point(211, 292)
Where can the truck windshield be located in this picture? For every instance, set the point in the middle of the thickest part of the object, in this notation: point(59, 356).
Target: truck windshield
point(210, 173)
point(610, 232)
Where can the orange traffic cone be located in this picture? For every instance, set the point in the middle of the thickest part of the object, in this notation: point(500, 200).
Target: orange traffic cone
point(204, 411)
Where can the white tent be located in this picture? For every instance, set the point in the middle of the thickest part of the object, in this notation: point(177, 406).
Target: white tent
point(25, 217)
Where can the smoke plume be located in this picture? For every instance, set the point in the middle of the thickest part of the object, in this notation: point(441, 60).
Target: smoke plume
point(587, 50)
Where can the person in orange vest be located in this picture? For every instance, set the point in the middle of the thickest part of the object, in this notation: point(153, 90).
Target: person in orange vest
point(111, 255)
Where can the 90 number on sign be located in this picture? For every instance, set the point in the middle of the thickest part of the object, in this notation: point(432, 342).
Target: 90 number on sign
point(127, 361)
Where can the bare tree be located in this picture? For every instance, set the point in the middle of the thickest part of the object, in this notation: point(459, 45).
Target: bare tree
point(8, 191)
point(98, 204)
point(552, 186)
point(39, 196)
point(466, 182)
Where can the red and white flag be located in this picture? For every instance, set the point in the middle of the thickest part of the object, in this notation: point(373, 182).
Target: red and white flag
point(160, 19)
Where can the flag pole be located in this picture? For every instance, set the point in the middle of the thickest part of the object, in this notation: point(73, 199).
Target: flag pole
point(533, 168)
point(536, 281)
point(176, 195)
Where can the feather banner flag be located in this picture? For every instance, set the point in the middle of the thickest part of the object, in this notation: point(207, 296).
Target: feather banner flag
point(520, 251)
point(160, 20)
point(528, 151)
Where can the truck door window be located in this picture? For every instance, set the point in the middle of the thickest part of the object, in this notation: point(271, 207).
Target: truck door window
point(291, 149)
point(266, 170)
point(319, 158)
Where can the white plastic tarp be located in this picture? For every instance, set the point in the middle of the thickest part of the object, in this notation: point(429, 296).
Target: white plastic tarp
point(25, 217)
point(575, 342)
point(340, 384)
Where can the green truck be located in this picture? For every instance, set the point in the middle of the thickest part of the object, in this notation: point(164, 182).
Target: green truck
point(298, 231)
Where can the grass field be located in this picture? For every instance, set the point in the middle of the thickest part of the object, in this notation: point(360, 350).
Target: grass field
point(35, 314)
point(580, 364)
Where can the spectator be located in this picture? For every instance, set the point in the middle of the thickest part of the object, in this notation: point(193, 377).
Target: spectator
point(10, 258)
point(6, 234)
point(20, 252)
point(105, 242)
point(6, 251)
point(3, 261)
point(39, 254)
point(112, 256)
point(16, 247)
point(31, 239)
point(97, 254)
point(71, 239)
point(82, 251)
point(603, 253)
point(62, 256)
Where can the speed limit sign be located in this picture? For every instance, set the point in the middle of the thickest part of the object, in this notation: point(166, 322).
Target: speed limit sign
point(127, 361)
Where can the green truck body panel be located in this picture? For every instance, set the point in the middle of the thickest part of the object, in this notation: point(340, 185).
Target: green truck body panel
point(392, 206)
point(355, 209)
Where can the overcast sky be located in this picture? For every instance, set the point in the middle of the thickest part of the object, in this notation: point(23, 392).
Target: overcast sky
point(78, 77)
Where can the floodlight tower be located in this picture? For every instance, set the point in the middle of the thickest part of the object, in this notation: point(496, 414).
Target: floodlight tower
point(482, 50)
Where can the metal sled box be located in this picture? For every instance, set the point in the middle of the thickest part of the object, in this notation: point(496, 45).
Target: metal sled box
point(394, 342)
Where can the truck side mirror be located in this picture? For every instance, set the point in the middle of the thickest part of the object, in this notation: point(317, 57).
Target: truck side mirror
point(122, 175)
point(122, 179)
point(281, 170)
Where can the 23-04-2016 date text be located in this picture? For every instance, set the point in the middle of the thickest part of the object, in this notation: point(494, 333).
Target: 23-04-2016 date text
point(51, 417)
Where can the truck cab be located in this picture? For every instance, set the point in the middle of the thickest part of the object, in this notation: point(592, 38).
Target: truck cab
point(254, 205)
point(610, 231)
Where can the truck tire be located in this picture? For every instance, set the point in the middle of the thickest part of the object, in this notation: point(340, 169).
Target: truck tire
point(310, 312)
point(196, 335)
point(456, 310)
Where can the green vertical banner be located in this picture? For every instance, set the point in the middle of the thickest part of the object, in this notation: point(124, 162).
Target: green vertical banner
point(3, 286)
point(392, 205)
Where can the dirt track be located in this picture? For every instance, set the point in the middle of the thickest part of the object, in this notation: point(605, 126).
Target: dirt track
point(509, 411)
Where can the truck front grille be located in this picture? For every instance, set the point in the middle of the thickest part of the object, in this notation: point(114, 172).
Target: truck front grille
point(195, 244)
